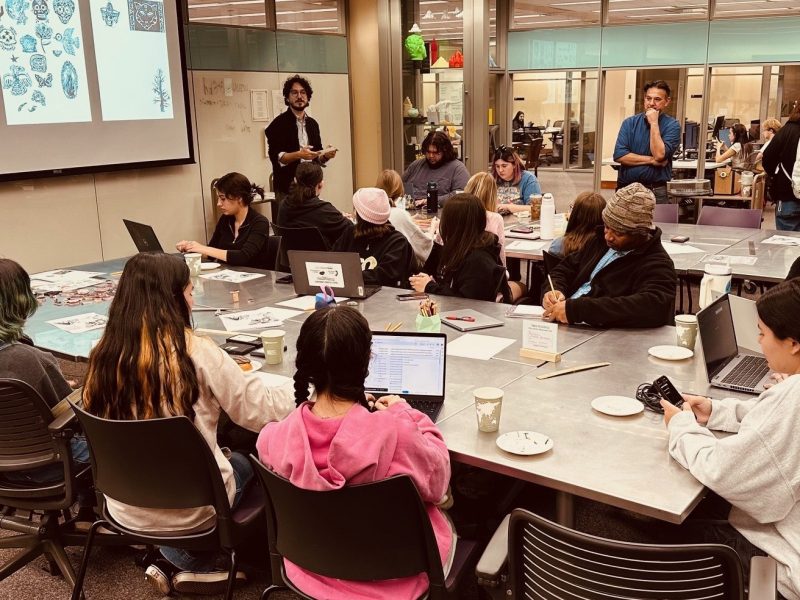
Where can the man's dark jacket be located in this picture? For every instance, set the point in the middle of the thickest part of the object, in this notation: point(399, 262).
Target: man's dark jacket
point(282, 137)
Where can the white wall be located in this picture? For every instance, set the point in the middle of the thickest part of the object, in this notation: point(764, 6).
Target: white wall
point(620, 103)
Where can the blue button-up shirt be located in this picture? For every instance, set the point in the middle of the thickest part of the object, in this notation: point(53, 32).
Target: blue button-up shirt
point(610, 256)
point(634, 136)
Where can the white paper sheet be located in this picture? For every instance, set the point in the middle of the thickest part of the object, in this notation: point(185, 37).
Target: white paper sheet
point(260, 318)
point(526, 246)
point(232, 276)
point(80, 323)
point(672, 248)
point(727, 259)
point(782, 240)
point(304, 302)
point(745, 322)
point(526, 311)
point(480, 347)
point(64, 277)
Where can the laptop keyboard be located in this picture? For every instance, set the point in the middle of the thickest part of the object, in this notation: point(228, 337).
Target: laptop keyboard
point(748, 372)
point(428, 407)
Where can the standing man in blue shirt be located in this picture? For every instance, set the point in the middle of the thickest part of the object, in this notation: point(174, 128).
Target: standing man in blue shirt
point(646, 142)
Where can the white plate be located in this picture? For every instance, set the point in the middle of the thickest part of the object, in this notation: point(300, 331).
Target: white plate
point(209, 266)
point(256, 366)
point(617, 406)
point(670, 352)
point(524, 443)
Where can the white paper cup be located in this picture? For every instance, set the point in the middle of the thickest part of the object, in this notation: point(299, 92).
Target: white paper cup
point(686, 330)
point(272, 341)
point(488, 402)
point(193, 261)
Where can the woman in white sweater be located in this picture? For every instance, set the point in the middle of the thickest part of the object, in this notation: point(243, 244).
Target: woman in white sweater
point(757, 470)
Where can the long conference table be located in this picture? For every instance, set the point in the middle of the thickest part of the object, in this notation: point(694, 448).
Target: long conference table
point(620, 461)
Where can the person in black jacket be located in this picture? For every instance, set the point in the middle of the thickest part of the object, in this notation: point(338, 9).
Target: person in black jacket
point(468, 263)
point(293, 136)
point(621, 278)
point(778, 163)
point(794, 270)
point(385, 252)
point(304, 208)
point(240, 237)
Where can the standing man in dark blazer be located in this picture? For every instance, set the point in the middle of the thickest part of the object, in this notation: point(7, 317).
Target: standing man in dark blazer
point(293, 136)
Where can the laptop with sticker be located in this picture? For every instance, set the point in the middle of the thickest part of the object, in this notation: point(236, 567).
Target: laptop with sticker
point(340, 271)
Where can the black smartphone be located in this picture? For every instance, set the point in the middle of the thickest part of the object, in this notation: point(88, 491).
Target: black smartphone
point(668, 391)
point(236, 349)
point(679, 239)
point(243, 338)
point(412, 296)
point(284, 279)
point(522, 229)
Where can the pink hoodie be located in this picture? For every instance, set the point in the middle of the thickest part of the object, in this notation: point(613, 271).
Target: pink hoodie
point(327, 454)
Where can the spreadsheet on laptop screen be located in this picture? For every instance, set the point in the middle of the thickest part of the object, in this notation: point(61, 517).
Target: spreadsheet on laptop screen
point(412, 365)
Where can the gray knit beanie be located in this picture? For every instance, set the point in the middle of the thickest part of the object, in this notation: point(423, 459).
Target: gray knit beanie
point(630, 209)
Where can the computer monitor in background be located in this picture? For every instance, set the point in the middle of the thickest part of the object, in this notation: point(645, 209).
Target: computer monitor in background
point(691, 133)
point(717, 126)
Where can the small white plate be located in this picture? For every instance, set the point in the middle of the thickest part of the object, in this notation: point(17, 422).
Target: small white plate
point(670, 352)
point(256, 366)
point(617, 406)
point(524, 443)
point(209, 266)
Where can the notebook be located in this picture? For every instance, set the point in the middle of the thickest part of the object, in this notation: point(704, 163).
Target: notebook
point(467, 319)
point(726, 366)
point(411, 365)
point(341, 271)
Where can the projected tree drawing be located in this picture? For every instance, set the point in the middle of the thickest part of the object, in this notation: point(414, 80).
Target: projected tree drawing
point(160, 86)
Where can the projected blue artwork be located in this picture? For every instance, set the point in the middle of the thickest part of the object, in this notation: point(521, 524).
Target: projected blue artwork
point(70, 41)
point(45, 33)
point(146, 15)
point(8, 38)
point(17, 81)
point(161, 91)
point(40, 9)
point(57, 53)
point(38, 96)
point(39, 63)
point(110, 14)
point(69, 80)
point(28, 43)
point(64, 9)
point(45, 81)
point(16, 10)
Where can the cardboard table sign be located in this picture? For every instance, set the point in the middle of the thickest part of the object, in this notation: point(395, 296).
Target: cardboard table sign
point(540, 340)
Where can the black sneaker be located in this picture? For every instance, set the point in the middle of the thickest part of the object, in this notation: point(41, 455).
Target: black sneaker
point(159, 576)
point(206, 583)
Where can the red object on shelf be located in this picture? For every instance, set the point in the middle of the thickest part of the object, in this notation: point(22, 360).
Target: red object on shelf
point(434, 50)
point(457, 60)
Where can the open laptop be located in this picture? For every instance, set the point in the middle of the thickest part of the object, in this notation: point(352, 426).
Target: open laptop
point(726, 366)
point(411, 365)
point(341, 271)
point(143, 236)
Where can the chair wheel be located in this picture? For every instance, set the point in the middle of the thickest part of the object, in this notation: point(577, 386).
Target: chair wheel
point(52, 568)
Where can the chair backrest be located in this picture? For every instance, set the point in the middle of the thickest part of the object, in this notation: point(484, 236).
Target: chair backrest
point(535, 148)
point(550, 261)
point(665, 213)
point(730, 217)
point(548, 561)
point(297, 238)
point(273, 250)
point(153, 463)
point(27, 443)
point(364, 532)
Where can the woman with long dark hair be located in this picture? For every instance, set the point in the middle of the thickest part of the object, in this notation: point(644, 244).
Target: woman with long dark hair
point(240, 237)
point(737, 152)
point(304, 208)
point(468, 262)
point(333, 440)
point(149, 364)
point(584, 219)
point(757, 470)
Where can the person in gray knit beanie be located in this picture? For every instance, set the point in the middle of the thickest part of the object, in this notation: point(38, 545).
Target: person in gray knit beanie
point(630, 209)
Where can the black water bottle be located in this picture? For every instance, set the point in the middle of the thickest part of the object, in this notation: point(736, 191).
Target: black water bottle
point(432, 198)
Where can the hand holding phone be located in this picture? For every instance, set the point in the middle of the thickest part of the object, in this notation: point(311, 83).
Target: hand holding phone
point(668, 391)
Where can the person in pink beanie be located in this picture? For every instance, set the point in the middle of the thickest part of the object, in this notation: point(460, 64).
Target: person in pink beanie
point(343, 436)
point(386, 255)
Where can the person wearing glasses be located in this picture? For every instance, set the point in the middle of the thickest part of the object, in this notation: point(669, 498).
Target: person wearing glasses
point(440, 166)
point(293, 136)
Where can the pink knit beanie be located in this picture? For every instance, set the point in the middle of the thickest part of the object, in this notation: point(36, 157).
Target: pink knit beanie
point(372, 205)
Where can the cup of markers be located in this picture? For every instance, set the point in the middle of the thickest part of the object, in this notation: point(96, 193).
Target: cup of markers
point(428, 320)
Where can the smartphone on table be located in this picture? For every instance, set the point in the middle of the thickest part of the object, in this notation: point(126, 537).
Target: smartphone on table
point(668, 391)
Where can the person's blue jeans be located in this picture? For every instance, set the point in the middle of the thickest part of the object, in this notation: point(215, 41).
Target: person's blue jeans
point(787, 215)
point(200, 562)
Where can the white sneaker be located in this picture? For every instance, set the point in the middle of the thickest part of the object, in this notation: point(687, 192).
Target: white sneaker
point(208, 583)
point(158, 580)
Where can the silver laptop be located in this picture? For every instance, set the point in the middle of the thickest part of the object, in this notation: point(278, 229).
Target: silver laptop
point(727, 367)
point(341, 271)
point(411, 365)
point(143, 236)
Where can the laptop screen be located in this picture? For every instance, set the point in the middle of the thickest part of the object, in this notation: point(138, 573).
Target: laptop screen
point(407, 364)
point(717, 336)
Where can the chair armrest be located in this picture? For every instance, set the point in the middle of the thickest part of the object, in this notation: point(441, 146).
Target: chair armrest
point(763, 578)
point(495, 556)
point(62, 419)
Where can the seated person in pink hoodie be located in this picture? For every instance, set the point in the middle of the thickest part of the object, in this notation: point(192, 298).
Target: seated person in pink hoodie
point(336, 440)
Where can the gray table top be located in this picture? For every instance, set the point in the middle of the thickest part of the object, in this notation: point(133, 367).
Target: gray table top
point(622, 461)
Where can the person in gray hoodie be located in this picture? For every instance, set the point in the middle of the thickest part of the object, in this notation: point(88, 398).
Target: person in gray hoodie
point(757, 470)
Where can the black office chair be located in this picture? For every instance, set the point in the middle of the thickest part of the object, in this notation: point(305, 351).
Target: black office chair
point(551, 261)
point(164, 464)
point(367, 532)
point(532, 157)
point(273, 251)
point(32, 437)
point(547, 561)
point(297, 238)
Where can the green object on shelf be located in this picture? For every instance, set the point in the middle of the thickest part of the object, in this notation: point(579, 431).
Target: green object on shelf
point(415, 46)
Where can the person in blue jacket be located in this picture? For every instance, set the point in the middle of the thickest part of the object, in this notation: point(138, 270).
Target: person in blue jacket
point(515, 185)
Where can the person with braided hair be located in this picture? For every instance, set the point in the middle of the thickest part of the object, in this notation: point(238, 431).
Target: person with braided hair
point(344, 437)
